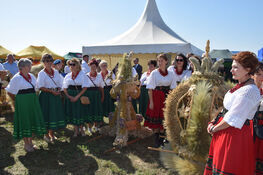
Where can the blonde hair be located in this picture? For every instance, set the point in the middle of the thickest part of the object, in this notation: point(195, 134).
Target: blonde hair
point(76, 61)
point(103, 62)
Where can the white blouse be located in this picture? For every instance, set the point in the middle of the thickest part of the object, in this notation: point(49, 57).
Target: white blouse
point(241, 105)
point(107, 81)
point(85, 67)
point(81, 80)
point(184, 76)
point(144, 78)
point(43, 80)
point(18, 83)
point(156, 79)
point(98, 81)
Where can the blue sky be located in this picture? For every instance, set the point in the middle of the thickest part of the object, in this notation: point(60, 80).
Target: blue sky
point(67, 25)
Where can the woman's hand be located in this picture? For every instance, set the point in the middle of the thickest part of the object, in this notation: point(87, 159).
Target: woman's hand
point(210, 127)
point(56, 93)
point(74, 99)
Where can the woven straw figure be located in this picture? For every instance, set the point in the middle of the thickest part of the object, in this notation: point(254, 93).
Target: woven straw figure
point(189, 107)
point(124, 121)
point(5, 101)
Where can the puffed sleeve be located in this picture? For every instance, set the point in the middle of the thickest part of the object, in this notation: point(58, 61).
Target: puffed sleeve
point(187, 75)
point(174, 83)
point(65, 81)
point(143, 78)
point(85, 81)
point(102, 84)
point(151, 81)
point(40, 80)
point(243, 107)
point(13, 86)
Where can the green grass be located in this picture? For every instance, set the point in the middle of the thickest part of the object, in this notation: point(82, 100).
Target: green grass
point(76, 156)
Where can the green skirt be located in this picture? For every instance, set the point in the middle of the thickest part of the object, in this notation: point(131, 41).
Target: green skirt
point(28, 117)
point(74, 111)
point(108, 103)
point(93, 111)
point(143, 101)
point(52, 110)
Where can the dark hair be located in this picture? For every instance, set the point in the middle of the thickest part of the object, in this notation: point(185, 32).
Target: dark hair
point(85, 56)
point(162, 56)
point(153, 62)
point(185, 60)
point(247, 60)
point(93, 61)
point(259, 68)
point(46, 57)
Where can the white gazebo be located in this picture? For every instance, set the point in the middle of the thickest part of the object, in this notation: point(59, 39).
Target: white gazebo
point(150, 35)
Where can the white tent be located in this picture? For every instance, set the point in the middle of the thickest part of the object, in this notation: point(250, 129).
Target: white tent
point(149, 35)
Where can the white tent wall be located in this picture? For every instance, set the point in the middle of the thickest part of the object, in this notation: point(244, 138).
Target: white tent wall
point(149, 36)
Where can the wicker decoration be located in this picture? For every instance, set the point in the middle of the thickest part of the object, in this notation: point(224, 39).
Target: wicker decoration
point(124, 121)
point(189, 107)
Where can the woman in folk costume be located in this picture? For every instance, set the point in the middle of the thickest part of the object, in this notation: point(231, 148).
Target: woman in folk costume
point(50, 82)
point(108, 103)
point(159, 84)
point(258, 78)
point(94, 112)
point(74, 85)
point(28, 117)
point(144, 98)
point(180, 70)
point(232, 148)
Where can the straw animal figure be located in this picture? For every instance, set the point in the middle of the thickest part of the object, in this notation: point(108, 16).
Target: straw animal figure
point(6, 104)
point(189, 108)
point(124, 121)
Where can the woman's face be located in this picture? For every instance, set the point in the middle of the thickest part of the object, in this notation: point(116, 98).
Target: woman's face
point(151, 67)
point(48, 63)
point(258, 78)
point(238, 71)
point(26, 69)
point(73, 67)
point(162, 62)
point(179, 61)
point(93, 68)
point(103, 67)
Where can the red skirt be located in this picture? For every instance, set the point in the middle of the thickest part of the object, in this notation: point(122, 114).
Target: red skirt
point(154, 118)
point(259, 153)
point(231, 152)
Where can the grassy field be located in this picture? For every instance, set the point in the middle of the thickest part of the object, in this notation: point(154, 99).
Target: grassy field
point(76, 156)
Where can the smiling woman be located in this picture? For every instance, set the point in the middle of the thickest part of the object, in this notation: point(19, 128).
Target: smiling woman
point(232, 146)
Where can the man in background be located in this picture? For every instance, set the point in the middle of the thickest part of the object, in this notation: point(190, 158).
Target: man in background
point(11, 64)
point(85, 64)
point(137, 67)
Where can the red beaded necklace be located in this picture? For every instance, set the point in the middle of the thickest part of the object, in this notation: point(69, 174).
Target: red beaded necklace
point(163, 73)
point(74, 76)
point(177, 72)
point(93, 75)
point(239, 85)
point(103, 76)
point(29, 79)
point(48, 73)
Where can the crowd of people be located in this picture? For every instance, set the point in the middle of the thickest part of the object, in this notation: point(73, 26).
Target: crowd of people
point(80, 95)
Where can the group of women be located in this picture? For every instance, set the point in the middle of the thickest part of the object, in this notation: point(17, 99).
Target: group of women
point(81, 98)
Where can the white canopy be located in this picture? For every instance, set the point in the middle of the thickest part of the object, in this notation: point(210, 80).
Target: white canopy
point(149, 35)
